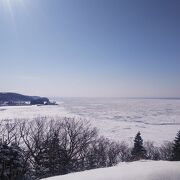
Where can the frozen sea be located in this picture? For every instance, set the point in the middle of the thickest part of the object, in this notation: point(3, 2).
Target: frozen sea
point(119, 119)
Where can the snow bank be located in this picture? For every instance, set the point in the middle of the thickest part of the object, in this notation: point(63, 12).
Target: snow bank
point(141, 170)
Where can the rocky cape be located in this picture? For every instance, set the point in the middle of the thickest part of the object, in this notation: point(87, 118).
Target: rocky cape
point(15, 99)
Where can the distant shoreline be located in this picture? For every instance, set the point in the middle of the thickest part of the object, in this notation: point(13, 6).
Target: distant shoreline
point(29, 105)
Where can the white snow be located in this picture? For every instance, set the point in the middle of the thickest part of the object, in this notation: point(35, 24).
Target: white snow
point(30, 112)
point(141, 170)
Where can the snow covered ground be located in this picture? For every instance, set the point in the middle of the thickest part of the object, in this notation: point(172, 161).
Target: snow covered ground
point(118, 119)
point(30, 112)
point(141, 170)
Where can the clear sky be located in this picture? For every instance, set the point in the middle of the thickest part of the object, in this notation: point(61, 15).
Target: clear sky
point(107, 48)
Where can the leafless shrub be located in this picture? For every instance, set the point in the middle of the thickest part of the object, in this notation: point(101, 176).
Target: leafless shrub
point(152, 152)
point(125, 152)
point(166, 151)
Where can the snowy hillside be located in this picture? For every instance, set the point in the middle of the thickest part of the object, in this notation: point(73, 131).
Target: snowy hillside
point(141, 170)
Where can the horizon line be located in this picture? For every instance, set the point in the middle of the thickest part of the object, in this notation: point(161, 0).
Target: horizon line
point(178, 98)
point(119, 97)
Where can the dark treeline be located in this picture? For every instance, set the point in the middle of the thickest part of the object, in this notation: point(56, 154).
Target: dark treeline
point(48, 147)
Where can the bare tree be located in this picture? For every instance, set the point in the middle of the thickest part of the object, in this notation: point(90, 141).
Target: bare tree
point(125, 152)
point(166, 151)
point(152, 151)
point(9, 132)
point(56, 146)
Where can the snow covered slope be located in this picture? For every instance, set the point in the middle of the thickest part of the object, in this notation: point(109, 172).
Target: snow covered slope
point(141, 170)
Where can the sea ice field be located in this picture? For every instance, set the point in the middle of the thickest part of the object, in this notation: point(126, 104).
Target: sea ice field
point(119, 119)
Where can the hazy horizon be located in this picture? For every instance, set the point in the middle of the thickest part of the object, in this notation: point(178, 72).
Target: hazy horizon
point(108, 97)
point(77, 48)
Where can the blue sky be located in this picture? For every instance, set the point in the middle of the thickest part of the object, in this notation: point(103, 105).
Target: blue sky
point(106, 48)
